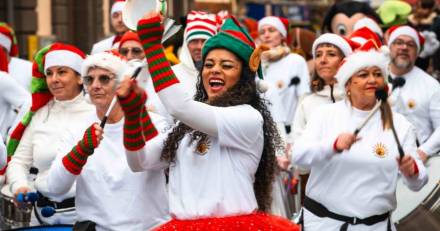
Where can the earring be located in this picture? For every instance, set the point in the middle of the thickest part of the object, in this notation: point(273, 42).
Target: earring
point(348, 93)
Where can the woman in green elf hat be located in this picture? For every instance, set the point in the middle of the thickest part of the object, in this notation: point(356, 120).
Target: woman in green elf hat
point(57, 103)
point(221, 152)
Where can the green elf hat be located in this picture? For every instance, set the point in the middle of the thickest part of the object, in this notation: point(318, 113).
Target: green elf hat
point(56, 54)
point(236, 39)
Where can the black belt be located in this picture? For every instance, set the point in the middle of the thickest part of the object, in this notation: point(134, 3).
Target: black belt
point(44, 201)
point(321, 211)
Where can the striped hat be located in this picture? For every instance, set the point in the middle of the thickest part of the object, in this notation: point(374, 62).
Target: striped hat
point(56, 54)
point(200, 25)
point(8, 39)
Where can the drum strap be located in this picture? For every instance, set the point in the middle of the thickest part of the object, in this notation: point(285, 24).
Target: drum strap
point(44, 201)
point(321, 211)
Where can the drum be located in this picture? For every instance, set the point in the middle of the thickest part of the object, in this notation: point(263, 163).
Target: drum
point(12, 216)
point(420, 210)
point(48, 227)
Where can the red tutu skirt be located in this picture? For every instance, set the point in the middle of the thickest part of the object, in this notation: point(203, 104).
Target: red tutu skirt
point(252, 222)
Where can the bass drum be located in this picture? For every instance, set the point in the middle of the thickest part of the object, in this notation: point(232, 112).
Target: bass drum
point(419, 210)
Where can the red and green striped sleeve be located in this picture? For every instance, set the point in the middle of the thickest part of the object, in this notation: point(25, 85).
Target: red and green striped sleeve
point(150, 32)
point(75, 160)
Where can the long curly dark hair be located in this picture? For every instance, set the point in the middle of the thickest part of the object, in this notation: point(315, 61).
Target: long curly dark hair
point(244, 92)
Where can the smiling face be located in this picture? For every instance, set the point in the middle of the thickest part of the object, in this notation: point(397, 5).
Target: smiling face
point(101, 85)
point(403, 53)
point(327, 60)
point(362, 86)
point(63, 82)
point(221, 71)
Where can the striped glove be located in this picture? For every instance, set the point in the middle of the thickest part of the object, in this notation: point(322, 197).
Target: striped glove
point(77, 157)
point(133, 105)
point(150, 32)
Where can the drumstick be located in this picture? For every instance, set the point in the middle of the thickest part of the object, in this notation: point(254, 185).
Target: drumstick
point(381, 95)
point(112, 104)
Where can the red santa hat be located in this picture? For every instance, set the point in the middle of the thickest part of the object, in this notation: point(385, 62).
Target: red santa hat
point(64, 55)
point(129, 36)
point(368, 55)
point(200, 25)
point(8, 39)
point(370, 23)
point(109, 60)
point(345, 45)
point(363, 34)
point(397, 31)
point(117, 6)
point(280, 23)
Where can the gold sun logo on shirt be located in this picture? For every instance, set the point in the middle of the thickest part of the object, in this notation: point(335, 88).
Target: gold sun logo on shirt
point(411, 103)
point(380, 150)
point(203, 148)
point(280, 84)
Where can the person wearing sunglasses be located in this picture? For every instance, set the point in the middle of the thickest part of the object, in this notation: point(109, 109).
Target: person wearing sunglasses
point(200, 26)
point(131, 48)
point(57, 104)
point(109, 195)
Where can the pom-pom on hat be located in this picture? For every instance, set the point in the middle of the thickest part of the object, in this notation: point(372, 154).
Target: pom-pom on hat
point(235, 39)
point(345, 45)
point(39, 90)
point(117, 6)
point(368, 55)
point(200, 25)
point(109, 60)
point(8, 39)
point(281, 24)
point(397, 31)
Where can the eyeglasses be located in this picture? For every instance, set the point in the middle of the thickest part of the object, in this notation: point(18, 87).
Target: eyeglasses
point(400, 43)
point(135, 51)
point(103, 79)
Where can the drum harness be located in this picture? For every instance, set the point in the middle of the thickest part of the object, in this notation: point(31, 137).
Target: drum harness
point(321, 211)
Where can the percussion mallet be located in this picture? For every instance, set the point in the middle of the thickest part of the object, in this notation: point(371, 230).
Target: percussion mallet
point(381, 95)
point(112, 104)
point(294, 81)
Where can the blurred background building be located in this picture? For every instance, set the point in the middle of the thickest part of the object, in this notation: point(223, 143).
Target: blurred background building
point(83, 22)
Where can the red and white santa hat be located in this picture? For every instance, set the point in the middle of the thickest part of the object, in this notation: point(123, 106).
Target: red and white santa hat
point(345, 45)
point(370, 23)
point(397, 31)
point(64, 55)
point(200, 25)
point(8, 39)
point(117, 6)
point(368, 55)
point(280, 23)
point(109, 60)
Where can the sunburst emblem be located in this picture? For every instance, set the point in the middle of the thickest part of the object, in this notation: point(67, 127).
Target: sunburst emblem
point(203, 148)
point(411, 103)
point(280, 84)
point(380, 150)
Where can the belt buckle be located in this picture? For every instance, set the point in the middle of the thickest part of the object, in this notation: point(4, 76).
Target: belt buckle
point(354, 221)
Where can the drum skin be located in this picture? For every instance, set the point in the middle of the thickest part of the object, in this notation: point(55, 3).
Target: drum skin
point(419, 210)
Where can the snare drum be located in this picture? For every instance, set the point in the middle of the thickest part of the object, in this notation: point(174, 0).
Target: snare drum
point(12, 216)
point(421, 204)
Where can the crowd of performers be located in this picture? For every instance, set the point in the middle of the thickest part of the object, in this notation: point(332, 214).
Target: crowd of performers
point(201, 145)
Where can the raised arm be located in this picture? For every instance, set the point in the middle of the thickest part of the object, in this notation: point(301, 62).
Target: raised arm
point(65, 169)
point(196, 115)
